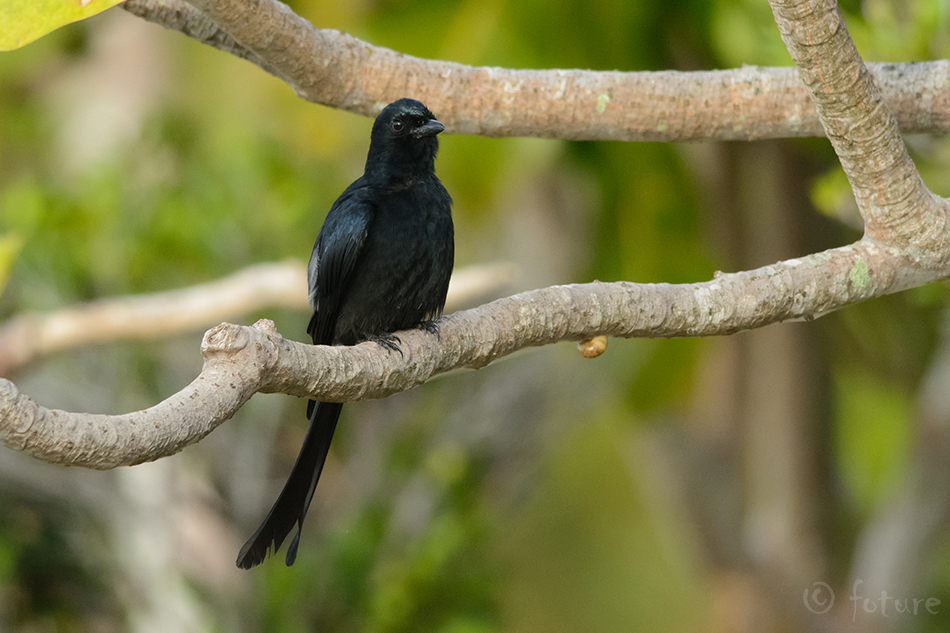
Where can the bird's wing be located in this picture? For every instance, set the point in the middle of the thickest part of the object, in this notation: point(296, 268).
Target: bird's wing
point(334, 257)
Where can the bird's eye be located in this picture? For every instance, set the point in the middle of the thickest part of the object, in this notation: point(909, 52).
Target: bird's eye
point(397, 124)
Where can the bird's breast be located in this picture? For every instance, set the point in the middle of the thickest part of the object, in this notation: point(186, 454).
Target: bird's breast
point(402, 273)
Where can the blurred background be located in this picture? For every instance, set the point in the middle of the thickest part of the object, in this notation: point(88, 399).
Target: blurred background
point(775, 480)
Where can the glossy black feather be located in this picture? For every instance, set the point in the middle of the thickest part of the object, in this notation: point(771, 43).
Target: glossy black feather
point(381, 263)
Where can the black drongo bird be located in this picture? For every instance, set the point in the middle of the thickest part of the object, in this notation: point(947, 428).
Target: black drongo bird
point(381, 263)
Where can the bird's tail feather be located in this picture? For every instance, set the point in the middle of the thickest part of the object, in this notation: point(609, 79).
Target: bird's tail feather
point(291, 506)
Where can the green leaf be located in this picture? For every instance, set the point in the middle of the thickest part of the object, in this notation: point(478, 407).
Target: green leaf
point(23, 21)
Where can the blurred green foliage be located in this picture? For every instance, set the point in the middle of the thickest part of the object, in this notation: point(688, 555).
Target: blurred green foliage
point(543, 522)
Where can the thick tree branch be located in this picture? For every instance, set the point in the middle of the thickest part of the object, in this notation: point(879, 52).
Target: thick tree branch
point(335, 69)
point(896, 206)
point(240, 361)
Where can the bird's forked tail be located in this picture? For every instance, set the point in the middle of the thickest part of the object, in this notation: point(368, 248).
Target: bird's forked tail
point(291, 506)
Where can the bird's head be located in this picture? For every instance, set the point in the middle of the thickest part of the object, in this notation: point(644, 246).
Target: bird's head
point(403, 142)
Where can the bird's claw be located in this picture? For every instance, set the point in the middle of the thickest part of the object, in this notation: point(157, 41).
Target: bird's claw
point(432, 327)
point(389, 341)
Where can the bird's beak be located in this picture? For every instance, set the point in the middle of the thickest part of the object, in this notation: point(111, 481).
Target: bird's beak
point(429, 128)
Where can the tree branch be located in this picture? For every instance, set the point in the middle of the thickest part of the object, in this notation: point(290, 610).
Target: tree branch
point(180, 16)
point(29, 337)
point(336, 69)
point(895, 204)
point(240, 361)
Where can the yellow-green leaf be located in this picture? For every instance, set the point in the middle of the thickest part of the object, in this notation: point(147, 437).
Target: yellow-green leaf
point(23, 21)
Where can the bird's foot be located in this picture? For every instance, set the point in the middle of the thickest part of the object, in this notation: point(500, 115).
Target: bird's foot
point(389, 341)
point(432, 327)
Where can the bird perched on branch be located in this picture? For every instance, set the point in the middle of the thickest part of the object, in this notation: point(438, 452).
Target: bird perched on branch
point(381, 263)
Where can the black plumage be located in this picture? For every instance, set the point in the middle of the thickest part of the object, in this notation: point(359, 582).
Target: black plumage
point(381, 263)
